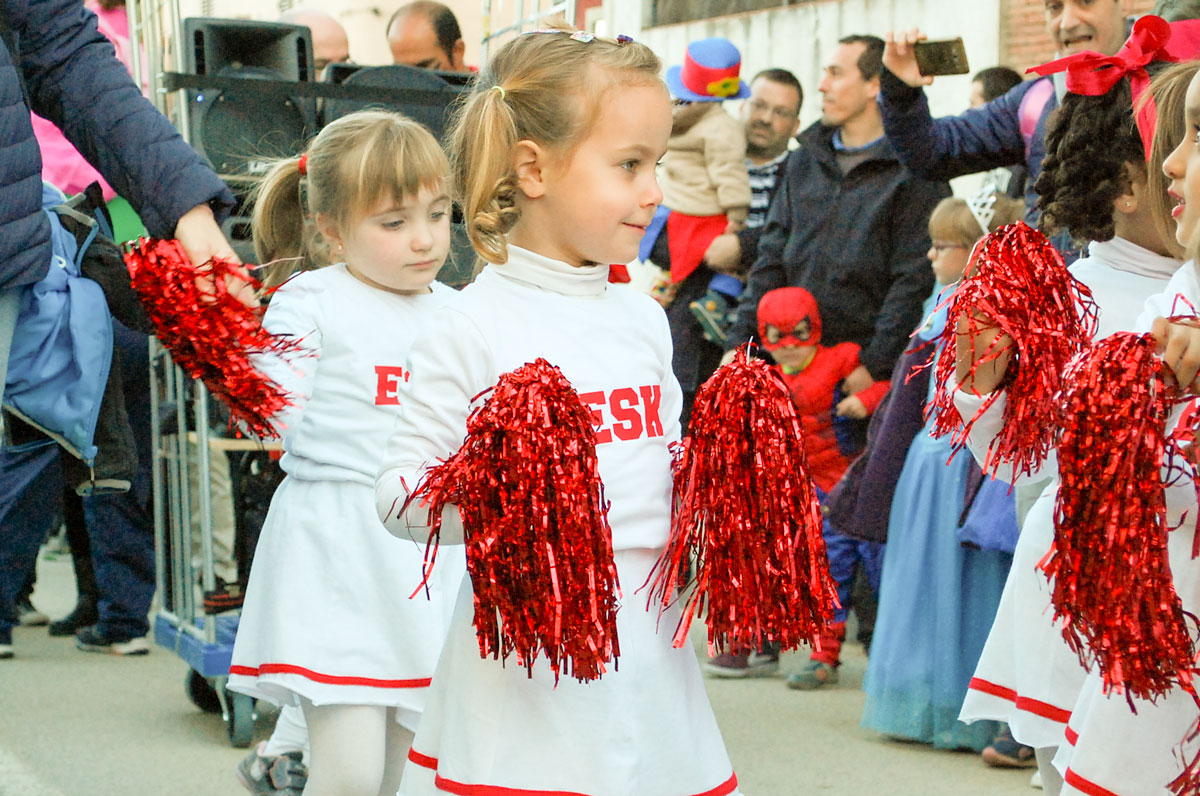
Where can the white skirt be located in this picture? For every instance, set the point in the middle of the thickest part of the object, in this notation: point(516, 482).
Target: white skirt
point(1112, 750)
point(646, 728)
point(328, 615)
point(1027, 676)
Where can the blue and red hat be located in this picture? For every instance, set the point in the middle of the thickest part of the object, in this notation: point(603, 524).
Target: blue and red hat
point(709, 73)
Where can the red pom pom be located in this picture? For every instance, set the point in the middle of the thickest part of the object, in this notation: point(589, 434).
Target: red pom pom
point(1111, 576)
point(539, 546)
point(211, 336)
point(747, 513)
point(1018, 280)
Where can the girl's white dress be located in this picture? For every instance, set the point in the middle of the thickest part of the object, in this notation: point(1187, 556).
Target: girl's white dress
point(645, 728)
point(1109, 748)
point(1027, 675)
point(328, 615)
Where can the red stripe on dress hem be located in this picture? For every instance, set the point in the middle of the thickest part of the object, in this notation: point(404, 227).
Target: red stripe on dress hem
point(465, 789)
point(1071, 736)
point(1086, 786)
point(1027, 704)
point(425, 761)
point(330, 679)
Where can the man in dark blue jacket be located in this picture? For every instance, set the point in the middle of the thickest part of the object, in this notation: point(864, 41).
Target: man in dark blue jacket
point(848, 223)
point(54, 61)
point(1005, 132)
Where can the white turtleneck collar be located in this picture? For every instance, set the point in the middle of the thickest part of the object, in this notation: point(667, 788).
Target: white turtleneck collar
point(1126, 256)
point(555, 276)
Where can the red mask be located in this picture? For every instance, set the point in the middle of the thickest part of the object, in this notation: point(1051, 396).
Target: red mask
point(788, 316)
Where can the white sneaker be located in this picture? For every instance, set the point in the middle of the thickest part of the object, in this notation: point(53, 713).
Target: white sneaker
point(1036, 780)
point(28, 616)
point(6, 651)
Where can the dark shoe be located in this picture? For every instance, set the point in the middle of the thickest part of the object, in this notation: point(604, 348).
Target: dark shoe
point(1005, 752)
point(814, 675)
point(92, 639)
point(278, 775)
point(84, 614)
point(743, 664)
point(28, 616)
point(225, 597)
point(712, 313)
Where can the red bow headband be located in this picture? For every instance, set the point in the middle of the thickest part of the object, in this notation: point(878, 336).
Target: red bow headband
point(1152, 39)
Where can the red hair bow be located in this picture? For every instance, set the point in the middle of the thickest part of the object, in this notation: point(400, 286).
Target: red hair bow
point(1152, 39)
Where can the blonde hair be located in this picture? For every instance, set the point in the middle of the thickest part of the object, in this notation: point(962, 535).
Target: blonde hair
point(1168, 90)
point(543, 87)
point(953, 221)
point(355, 163)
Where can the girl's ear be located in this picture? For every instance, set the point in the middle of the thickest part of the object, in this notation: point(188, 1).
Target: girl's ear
point(329, 231)
point(1129, 202)
point(529, 164)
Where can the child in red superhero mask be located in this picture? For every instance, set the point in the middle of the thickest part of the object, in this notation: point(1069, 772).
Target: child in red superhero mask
point(789, 325)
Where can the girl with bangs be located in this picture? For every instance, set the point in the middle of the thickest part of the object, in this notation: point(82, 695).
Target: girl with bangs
point(328, 623)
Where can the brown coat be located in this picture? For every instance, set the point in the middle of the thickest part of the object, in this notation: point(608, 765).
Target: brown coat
point(704, 170)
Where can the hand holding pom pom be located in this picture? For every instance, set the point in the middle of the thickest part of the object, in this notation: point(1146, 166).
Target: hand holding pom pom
point(747, 512)
point(1018, 301)
point(539, 547)
point(211, 335)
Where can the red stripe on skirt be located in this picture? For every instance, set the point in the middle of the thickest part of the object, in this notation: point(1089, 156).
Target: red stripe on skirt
point(465, 789)
point(1027, 704)
point(1086, 786)
point(329, 679)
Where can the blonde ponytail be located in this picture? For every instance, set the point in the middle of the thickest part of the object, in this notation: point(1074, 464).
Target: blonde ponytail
point(278, 223)
point(482, 142)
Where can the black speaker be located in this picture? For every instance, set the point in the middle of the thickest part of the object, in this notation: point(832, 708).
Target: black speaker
point(238, 130)
point(443, 88)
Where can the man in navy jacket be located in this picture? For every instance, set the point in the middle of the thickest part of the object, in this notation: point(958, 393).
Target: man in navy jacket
point(990, 136)
point(849, 224)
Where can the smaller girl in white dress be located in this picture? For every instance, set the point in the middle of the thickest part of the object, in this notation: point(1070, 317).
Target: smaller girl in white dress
point(329, 622)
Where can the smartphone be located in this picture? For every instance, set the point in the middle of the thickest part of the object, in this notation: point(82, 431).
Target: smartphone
point(948, 57)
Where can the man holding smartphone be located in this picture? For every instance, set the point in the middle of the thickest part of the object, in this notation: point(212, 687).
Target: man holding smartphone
point(1005, 132)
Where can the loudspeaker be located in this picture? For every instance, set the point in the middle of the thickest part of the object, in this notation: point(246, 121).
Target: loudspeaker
point(444, 87)
point(237, 130)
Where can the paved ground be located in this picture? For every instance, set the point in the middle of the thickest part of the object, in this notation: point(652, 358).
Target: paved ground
point(73, 723)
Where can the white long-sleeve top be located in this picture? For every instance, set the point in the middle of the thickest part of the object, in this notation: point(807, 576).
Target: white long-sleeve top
point(1123, 277)
point(611, 342)
point(346, 388)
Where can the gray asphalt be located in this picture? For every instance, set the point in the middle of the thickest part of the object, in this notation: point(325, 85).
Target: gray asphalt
point(77, 723)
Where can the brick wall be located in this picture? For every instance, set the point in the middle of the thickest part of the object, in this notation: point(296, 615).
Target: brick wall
point(1023, 39)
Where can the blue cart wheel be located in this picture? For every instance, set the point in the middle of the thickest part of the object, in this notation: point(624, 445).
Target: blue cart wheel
point(240, 721)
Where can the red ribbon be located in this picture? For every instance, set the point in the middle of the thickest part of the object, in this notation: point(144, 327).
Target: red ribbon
point(1152, 39)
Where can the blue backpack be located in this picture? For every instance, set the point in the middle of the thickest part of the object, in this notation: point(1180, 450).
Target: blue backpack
point(63, 343)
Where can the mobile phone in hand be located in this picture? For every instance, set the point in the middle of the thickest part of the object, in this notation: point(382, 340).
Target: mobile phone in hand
point(948, 57)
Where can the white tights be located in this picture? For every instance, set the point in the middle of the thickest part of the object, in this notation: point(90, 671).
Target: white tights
point(289, 735)
point(356, 750)
point(1052, 781)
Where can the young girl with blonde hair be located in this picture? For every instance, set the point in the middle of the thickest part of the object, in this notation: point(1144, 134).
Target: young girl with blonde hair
point(554, 157)
point(328, 622)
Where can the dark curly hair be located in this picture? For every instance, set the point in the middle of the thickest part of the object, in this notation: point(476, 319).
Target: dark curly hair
point(1090, 143)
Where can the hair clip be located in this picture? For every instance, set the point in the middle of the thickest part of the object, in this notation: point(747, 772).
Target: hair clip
point(578, 35)
point(623, 39)
point(302, 164)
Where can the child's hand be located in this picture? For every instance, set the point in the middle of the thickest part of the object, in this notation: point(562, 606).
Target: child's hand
point(1179, 345)
point(734, 227)
point(851, 407)
point(981, 361)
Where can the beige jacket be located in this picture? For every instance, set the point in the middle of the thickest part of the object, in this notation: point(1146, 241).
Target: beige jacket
point(704, 170)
